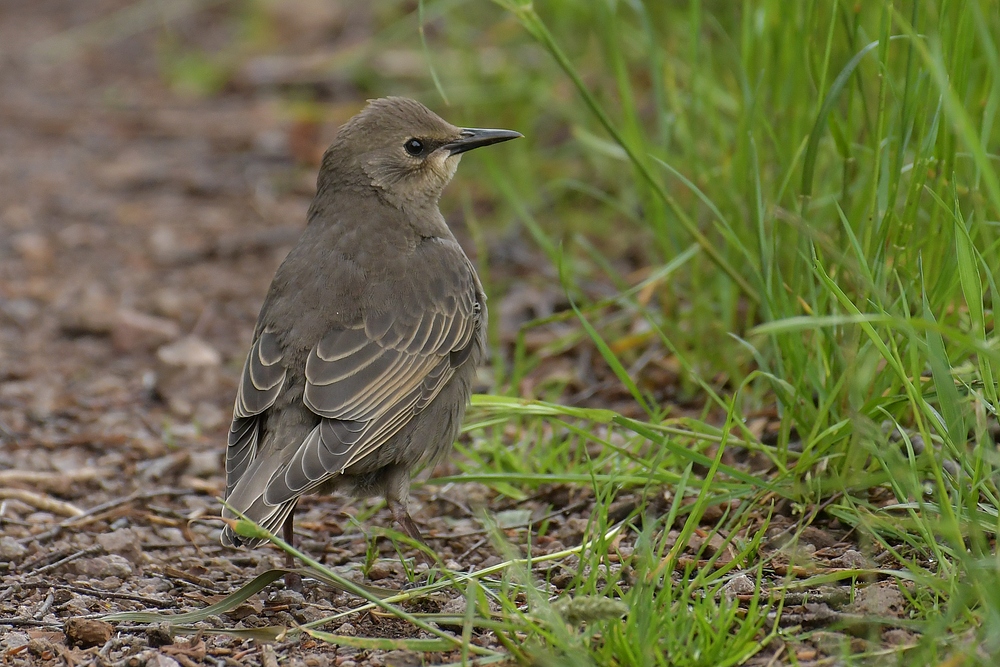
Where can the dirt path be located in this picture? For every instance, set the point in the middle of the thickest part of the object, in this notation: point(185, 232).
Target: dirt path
point(135, 223)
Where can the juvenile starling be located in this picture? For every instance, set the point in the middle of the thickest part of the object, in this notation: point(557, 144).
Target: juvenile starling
point(365, 348)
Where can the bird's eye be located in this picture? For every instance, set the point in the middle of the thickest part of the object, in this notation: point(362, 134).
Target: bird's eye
point(414, 147)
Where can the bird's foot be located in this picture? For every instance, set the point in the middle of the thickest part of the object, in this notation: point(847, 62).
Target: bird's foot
point(293, 581)
point(409, 527)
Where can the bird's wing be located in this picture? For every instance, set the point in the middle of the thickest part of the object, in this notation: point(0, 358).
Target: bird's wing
point(263, 376)
point(368, 381)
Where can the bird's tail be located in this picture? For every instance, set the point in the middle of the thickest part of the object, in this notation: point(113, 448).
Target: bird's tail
point(268, 517)
point(247, 497)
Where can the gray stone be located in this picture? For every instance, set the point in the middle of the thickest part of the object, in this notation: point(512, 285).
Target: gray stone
point(103, 566)
point(133, 330)
point(347, 630)
point(124, 542)
point(15, 640)
point(161, 660)
point(205, 464)
point(11, 549)
point(189, 351)
point(738, 585)
point(381, 570)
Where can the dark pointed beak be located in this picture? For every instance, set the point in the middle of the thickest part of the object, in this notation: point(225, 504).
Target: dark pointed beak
point(474, 138)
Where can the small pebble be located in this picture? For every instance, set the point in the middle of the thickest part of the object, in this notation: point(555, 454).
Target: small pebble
point(103, 567)
point(87, 632)
point(11, 549)
point(124, 542)
point(15, 640)
point(381, 570)
point(738, 585)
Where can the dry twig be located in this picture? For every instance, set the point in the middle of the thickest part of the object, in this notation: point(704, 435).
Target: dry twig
point(42, 501)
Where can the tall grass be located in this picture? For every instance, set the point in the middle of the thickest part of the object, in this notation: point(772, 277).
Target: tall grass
point(834, 166)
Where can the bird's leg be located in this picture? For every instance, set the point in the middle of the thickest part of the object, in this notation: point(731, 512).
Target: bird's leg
point(292, 580)
point(409, 526)
point(405, 521)
point(397, 490)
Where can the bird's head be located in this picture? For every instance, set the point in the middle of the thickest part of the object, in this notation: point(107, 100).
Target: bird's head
point(404, 149)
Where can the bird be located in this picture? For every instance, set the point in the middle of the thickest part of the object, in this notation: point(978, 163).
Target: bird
point(366, 346)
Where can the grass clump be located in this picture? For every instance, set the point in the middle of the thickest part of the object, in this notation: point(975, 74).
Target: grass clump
point(832, 168)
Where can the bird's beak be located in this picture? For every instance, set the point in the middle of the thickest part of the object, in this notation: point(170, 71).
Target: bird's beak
point(473, 138)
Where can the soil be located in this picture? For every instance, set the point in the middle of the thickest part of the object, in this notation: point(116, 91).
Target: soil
point(140, 226)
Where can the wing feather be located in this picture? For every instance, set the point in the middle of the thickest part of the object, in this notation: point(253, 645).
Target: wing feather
point(366, 392)
point(341, 343)
point(242, 447)
point(261, 382)
point(322, 372)
point(364, 380)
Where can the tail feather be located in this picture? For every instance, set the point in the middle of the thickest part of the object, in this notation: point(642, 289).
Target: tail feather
point(268, 517)
point(247, 498)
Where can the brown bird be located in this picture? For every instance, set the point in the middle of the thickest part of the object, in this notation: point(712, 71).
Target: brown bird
point(367, 343)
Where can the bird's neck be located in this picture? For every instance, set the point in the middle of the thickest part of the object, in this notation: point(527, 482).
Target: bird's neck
point(381, 214)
